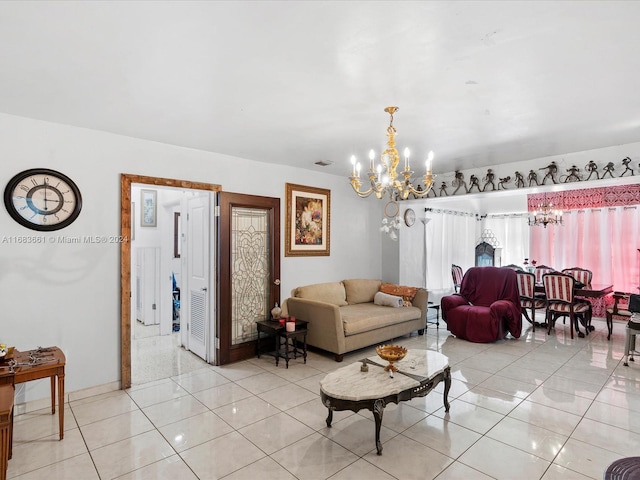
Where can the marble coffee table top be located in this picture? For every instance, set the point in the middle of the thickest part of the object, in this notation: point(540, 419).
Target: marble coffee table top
point(349, 383)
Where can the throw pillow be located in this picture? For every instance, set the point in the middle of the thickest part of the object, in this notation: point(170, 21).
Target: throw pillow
point(407, 293)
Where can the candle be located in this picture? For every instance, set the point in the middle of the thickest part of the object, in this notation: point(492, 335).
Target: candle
point(407, 152)
point(353, 164)
point(372, 156)
point(358, 169)
point(429, 161)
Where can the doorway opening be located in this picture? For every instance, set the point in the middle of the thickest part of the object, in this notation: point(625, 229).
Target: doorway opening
point(126, 231)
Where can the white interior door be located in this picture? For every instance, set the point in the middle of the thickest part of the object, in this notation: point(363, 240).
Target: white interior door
point(198, 221)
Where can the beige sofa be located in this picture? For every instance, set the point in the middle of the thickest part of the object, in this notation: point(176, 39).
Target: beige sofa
point(342, 315)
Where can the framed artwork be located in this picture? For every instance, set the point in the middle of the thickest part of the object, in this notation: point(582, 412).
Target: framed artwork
point(148, 209)
point(308, 221)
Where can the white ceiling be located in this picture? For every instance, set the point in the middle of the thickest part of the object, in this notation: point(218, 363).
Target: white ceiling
point(480, 83)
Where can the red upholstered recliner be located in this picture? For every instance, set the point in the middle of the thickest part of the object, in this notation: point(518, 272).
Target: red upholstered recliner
point(487, 307)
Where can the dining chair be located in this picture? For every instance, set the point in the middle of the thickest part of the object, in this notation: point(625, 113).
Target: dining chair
point(541, 270)
point(456, 275)
point(513, 266)
point(632, 330)
point(582, 275)
point(559, 290)
point(620, 309)
point(583, 278)
point(528, 298)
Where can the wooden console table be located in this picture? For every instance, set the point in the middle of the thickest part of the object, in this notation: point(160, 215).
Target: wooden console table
point(6, 426)
point(36, 365)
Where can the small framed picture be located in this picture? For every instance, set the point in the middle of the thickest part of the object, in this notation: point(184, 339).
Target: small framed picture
point(148, 208)
point(308, 221)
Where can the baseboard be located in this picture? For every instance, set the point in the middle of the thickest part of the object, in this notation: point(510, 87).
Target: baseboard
point(42, 403)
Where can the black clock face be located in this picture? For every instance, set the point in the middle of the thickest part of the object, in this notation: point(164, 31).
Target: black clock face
point(42, 199)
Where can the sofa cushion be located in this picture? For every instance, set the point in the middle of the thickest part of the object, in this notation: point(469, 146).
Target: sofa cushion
point(330, 292)
point(367, 316)
point(361, 290)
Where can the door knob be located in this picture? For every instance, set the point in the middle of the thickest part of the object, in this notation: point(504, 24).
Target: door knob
point(276, 281)
point(204, 289)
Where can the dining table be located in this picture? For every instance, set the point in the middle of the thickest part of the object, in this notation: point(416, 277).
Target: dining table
point(594, 291)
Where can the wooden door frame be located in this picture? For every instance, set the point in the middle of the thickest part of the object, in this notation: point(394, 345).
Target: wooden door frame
point(125, 257)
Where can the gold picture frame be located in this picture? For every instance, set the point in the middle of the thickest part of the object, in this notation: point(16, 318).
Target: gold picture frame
point(308, 221)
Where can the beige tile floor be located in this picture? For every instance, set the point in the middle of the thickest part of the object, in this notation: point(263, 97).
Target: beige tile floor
point(541, 407)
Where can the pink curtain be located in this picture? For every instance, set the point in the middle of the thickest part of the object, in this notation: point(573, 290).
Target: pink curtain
point(602, 235)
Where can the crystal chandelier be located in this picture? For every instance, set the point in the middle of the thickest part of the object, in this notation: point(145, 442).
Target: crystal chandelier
point(545, 214)
point(388, 182)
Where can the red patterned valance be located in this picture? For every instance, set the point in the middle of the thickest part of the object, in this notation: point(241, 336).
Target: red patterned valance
point(587, 198)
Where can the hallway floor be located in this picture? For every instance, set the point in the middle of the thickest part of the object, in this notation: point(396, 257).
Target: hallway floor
point(540, 407)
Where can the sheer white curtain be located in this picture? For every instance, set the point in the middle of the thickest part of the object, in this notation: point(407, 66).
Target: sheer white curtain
point(604, 240)
point(450, 238)
point(512, 233)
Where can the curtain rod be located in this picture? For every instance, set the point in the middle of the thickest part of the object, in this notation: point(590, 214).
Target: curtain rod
point(449, 212)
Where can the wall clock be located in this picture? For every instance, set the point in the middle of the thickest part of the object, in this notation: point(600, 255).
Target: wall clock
point(409, 217)
point(42, 199)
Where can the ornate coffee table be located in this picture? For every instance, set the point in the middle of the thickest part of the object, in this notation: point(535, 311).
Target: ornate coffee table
point(350, 388)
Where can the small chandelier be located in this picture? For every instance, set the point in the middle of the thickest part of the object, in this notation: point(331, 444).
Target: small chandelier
point(388, 182)
point(545, 214)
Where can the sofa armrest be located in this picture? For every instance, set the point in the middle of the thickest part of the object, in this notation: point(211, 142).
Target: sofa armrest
point(450, 302)
point(421, 300)
point(325, 323)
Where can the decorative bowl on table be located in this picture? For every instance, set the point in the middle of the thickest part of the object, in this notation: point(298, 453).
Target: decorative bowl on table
point(391, 353)
point(5, 352)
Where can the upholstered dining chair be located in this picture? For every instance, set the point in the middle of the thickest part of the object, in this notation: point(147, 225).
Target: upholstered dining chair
point(528, 298)
point(513, 266)
point(581, 275)
point(456, 275)
point(541, 270)
point(559, 290)
point(583, 279)
point(619, 309)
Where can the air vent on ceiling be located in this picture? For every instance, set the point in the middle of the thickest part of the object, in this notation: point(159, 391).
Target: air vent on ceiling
point(323, 163)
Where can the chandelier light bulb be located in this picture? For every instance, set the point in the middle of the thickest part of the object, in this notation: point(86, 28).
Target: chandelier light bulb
point(407, 153)
point(429, 161)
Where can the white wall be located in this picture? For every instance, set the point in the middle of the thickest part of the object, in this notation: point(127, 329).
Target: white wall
point(69, 294)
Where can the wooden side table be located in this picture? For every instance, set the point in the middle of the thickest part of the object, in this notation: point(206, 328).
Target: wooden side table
point(292, 339)
point(297, 340)
point(267, 328)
